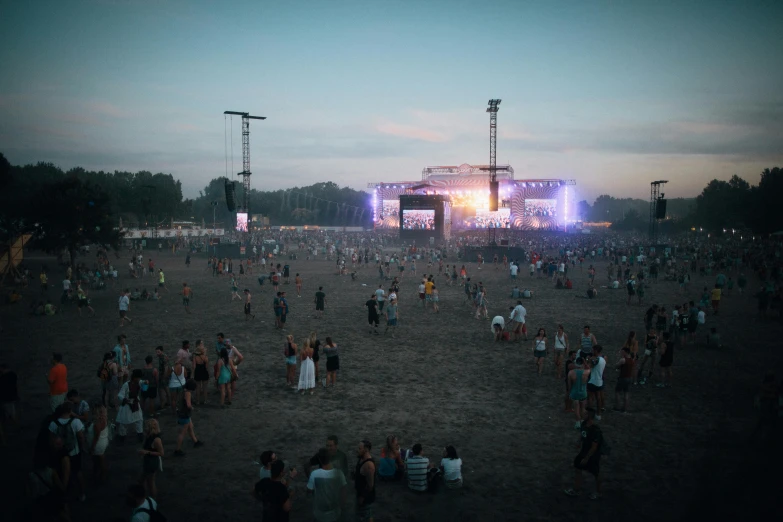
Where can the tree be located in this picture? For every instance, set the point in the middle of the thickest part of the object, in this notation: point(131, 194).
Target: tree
point(72, 213)
point(724, 204)
point(764, 214)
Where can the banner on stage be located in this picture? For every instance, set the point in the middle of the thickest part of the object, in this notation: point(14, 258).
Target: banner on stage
point(150, 233)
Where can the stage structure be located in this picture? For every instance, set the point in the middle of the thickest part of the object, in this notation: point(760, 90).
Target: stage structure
point(530, 204)
point(246, 117)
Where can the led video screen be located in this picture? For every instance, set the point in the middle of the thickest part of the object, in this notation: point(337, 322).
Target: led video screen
point(241, 221)
point(418, 219)
point(540, 207)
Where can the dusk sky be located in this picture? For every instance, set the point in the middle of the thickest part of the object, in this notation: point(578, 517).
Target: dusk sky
point(611, 94)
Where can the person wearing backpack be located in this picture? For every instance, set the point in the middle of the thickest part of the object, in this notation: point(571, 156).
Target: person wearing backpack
point(591, 441)
point(130, 407)
point(107, 373)
point(70, 431)
point(144, 508)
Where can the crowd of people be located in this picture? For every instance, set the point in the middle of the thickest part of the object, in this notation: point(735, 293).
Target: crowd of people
point(134, 397)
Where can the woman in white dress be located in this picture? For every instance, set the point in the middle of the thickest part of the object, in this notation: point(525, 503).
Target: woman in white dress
point(130, 410)
point(307, 369)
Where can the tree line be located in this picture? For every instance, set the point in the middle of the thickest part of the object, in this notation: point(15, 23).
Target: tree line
point(733, 204)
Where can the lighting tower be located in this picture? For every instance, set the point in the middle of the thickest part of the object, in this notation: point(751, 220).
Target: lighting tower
point(655, 197)
point(246, 117)
point(493, 138)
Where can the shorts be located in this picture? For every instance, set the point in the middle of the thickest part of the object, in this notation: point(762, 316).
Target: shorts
point(161, 285)
point(373, 319)
point(183, 421)
point(76, 464)
point(151, 393)
point(592, 466)
point(56, 400)
point(291, 360)
point(422, 296)
point(186, 301)
point(283, 317)
point(319, 307)
point(175, 389)
point(365, 512)
point(247, 308)
point(83, 303)
point(428, 297)
point(391, 322)
point(539, 353)
point(123, 313)
point(593, 388)
point(623, 385)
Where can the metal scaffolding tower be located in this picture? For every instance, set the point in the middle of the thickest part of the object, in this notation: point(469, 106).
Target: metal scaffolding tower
point(655, 196)
point(246, 117)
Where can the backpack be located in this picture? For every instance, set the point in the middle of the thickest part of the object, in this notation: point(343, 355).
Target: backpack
point(65, 432)
point(103, 372)
point(154, 514)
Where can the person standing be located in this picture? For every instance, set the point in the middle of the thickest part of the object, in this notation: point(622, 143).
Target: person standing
point(595, 386)
point(162, 280)
point(274, 494)
point(626, 365)
point(391, 317)
point(152, 453)
point(561, 346)
point(224, 371)
point(130, 408)
point(517, 318)
point(124, 305)
point(298, 283)
point(332, 354)
point(326, 484)
point(381, 297)
point(200, 372)
point(248, 306)
point(70, 431)
point(185, 358)
point(307, 369)
point(149, 385)
point(372, 313)
point(666, 351)
point(183, 418)
point(320, 302)
point(577, 383)
point(58, 381)
point(122, 358)
point(570, 363)
point(187, 293)
point(589, 457)
point(586, 343)
point(283, 309)
point(540, 350)
point(289, 350)
point(364, 483)
point(163, 368)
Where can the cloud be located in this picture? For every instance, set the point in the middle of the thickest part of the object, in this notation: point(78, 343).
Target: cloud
point(410, 132)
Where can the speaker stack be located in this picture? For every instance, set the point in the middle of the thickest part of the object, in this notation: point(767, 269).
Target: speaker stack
point(660, 209)
point(493, 195)
point(230, 203)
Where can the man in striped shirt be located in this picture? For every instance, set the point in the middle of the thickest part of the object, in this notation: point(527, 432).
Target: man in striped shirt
point(418, 467)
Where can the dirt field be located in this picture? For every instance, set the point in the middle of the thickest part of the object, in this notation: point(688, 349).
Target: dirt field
point(681, 452)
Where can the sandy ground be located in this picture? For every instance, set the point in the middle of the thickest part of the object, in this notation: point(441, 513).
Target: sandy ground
point(682, 451)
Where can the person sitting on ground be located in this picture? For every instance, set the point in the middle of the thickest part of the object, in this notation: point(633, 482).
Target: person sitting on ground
point(592, 292)
point(391, 465)
point(155, 295)
point(135, 295)
point(515, 292)
point(615, 285)
point(527, 293)
point(144, 294)
point(419, 470)
point(498, 324)
point(39, 308)
point(559, 284)
point(49, 308)
point(451, 467)
point(568, 284)
point(713, 339)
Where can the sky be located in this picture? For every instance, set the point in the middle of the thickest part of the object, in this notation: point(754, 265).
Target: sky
point(611, 94)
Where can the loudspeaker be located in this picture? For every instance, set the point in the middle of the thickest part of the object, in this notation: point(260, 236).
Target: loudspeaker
point(493, 196)
point(660, 209)
point(230, 196)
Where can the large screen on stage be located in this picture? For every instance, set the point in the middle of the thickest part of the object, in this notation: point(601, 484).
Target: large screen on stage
point(418, 219)
point(540, 207)
point(390, 208)
point(500, 218)
point(241, 221)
